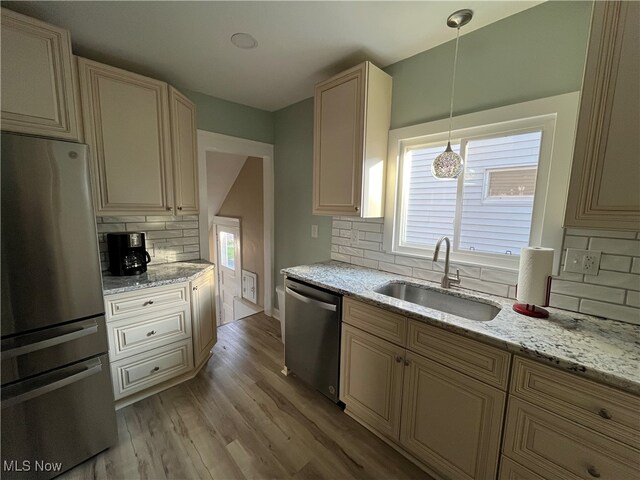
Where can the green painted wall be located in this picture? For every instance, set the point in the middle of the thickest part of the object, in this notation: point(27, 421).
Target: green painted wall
point(229, 118)
point(293, 176)
point(534, 54)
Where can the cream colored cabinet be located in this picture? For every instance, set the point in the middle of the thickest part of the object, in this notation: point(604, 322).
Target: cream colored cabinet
point(39, 95)
point(445, 411)
point(559, 426)
point(126, 122)
point(450, 421)
point(184, 152)
point(603, 192)
point(351, 127)
point(371, 380)
point(203, 313)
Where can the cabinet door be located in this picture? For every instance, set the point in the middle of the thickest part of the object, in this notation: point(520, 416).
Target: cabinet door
point(126, 122)
point(338, 144)
point(604, 192)
point(38, 94)
point(371, 380)
point(203, 314)
point(450, 421)
point(184, 152)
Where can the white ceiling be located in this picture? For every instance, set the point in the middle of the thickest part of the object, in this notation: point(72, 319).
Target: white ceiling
point(299, 43)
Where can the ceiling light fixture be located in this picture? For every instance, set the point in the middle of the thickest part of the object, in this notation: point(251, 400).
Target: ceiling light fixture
point(244, 41)
point(449, 164)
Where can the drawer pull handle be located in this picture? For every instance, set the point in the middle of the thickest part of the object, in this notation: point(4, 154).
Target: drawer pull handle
point(152, 332)
point(398, 358)
point(155, 369)
point(604, 413)
point(593, 471)
point(148, 302)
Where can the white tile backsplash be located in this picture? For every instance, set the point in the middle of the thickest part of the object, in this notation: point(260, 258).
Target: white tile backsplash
point(613, 293)
point(168, 238)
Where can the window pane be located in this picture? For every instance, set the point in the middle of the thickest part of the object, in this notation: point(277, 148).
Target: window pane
point(430, 204)
point(227, 250)
point(499, 223)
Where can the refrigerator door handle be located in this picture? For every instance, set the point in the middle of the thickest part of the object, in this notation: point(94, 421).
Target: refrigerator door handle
point(41, 386)
point(86, 328)
point(312, 301)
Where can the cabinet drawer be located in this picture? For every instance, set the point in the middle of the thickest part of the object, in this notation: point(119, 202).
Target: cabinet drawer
point(386, 325)
point(136, 335)
point(510, 470)
point(145, 300)
point(489, 364)
point(150, 368)
point(611, 412)
point(559, 449)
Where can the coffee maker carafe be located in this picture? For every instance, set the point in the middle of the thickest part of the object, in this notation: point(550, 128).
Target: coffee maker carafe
point(127, 253)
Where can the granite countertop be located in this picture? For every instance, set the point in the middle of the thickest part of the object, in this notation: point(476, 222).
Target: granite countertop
point(607, 351)
point(155, 276)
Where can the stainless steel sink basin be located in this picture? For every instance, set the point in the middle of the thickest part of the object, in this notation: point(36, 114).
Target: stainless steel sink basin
point(462, 307)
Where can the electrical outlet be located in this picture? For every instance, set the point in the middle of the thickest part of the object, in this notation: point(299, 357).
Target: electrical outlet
point(314, 231)
point(582, 261)
point(354, 237)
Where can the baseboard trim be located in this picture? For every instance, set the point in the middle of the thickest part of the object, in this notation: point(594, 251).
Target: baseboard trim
point(276, 314)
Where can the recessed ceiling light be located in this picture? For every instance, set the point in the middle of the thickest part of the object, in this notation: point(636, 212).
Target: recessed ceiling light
point(244, 41)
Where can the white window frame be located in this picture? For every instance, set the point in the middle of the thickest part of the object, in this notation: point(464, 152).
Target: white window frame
point(556, 116)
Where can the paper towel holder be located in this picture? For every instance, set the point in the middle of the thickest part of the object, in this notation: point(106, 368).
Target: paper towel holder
point(533, 310)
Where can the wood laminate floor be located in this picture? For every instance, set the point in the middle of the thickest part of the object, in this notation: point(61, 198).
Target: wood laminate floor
point(240, 418)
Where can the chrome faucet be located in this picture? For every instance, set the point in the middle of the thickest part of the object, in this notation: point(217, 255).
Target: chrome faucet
point(447, 281)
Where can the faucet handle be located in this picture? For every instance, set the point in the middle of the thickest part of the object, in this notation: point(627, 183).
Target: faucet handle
point(456, 280)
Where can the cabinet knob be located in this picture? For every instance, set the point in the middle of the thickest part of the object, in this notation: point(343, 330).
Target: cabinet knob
point(593, 471)
point(152, 332)
point(195, 288)
point(179, 208)
point(155, 369)
point(357, 209)
point(148, 302)
point(398, 358)
point(407, 362)
point(604, 413)
point(169, 209)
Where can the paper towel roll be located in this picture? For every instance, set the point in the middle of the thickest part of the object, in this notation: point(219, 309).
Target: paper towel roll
point(536, 264)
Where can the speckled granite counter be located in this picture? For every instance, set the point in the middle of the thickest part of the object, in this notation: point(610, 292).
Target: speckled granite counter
point(603, 350)
point(155, 276)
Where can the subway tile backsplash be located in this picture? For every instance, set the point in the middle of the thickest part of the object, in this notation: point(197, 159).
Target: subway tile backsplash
point(168, 238)
point(613, 293)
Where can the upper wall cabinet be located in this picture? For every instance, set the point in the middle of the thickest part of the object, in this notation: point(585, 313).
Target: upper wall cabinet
point(38, 85)
point(605, 176)
point(143, 138)
point(351, 127)
point(184, 152)
point(126, 120)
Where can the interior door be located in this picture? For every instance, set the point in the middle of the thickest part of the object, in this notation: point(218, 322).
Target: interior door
point(229, 266)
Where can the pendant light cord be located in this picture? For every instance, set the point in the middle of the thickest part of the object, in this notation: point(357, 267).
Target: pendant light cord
point(453, 83)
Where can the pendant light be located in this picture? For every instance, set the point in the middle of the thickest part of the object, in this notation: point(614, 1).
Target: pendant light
point(449, 164)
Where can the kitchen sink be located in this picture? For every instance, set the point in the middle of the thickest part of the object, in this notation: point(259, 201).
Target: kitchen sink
point(462, 307)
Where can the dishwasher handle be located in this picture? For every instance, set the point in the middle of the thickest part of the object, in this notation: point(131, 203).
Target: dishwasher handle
point(312, 301)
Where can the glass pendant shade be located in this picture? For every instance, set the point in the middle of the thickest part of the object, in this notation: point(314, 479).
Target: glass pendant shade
point(447, 165)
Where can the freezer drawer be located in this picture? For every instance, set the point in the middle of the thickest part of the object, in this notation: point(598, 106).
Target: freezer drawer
point(312, 336)
point(61, 418)
point(34, 353)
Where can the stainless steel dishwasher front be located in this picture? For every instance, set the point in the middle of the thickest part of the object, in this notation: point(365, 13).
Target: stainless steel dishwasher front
point(312, 336)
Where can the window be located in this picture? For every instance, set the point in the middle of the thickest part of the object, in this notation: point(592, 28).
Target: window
point(228, 250)
point(498, 205)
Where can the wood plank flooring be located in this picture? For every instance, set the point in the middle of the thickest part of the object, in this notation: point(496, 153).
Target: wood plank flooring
point(240, 418)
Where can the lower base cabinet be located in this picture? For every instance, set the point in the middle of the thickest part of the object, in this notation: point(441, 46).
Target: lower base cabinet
point(203, 314)
point(448, 421)
point(451, 421)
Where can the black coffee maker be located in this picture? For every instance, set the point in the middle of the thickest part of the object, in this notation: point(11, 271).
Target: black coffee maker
point(127, 253)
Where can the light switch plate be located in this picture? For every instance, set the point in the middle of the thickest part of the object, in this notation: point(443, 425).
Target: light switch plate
point(314, 231)
point(582, 261)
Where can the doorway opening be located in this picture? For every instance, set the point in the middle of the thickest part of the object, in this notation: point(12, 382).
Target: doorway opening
point(236, 222)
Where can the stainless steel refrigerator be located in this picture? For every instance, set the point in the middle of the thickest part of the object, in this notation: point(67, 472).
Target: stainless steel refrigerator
point(57, 398)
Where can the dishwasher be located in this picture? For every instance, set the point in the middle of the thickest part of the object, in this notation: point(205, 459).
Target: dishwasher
point(312, 336)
